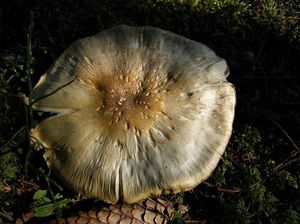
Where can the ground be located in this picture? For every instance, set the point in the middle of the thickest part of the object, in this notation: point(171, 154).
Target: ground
point(258, 179)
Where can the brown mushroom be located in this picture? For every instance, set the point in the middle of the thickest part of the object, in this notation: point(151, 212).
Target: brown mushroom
point(139, 112)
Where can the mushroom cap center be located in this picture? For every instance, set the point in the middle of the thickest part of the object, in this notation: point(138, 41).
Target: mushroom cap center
point(129, 101)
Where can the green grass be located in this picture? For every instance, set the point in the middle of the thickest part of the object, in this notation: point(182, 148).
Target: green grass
point(258, 178)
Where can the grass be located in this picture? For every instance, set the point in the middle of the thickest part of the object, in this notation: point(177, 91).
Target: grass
point(258, 178)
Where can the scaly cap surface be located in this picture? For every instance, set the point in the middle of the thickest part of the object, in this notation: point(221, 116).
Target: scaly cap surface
point(139, 112)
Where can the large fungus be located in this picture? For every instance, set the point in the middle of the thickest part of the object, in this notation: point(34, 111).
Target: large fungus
point(138, 112)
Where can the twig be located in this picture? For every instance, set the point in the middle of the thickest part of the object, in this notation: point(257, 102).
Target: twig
point(285, 132)
point(5, 187)
point(289, 102)
point(195, 221)
point(232, 160)
point(13, 137)
point(29, 72)
point(47, 178)
point(6, 152)
point(51, 93)
point(22, 181)
point(7, 215)
point(289, 78)
point(222, 189)
point(279, 167)
point(28, 110)
point(257, 59)
point(52, 194)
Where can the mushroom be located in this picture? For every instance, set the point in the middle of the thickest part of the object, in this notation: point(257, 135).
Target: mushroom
point(138, 112)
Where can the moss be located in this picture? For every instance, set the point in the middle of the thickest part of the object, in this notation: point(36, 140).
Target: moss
point(9, 166)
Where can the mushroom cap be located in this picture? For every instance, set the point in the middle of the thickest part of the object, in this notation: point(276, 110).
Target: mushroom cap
point(139, 112)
